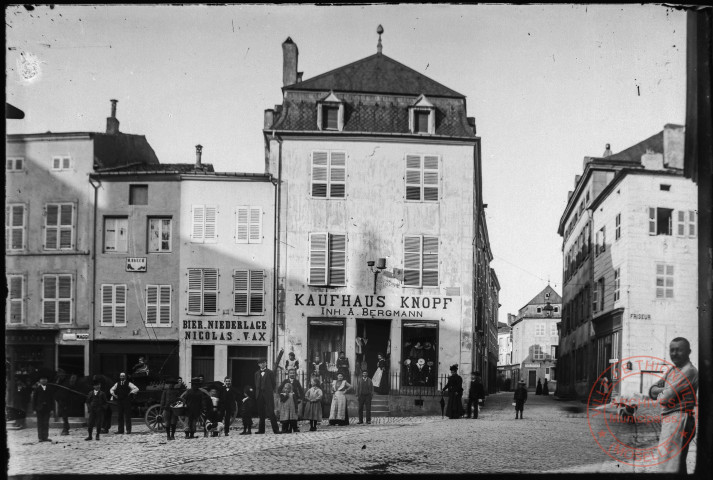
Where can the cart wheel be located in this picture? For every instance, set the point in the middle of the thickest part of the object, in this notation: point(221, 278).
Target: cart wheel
point(154, 419)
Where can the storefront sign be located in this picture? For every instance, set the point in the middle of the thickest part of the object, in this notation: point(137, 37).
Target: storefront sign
point(136, 264)
point(407, 306)
point(244, 331)
point(532, 365)
point(640, 316)
point(68, 337)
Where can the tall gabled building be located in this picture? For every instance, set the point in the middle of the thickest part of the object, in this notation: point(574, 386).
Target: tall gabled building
point(378, 171)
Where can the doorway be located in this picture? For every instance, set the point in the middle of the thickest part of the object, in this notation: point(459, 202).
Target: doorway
point(377, 339)
point(531, 378)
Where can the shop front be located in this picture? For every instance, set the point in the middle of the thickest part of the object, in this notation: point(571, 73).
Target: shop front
point(160, 358)
point(28, 353)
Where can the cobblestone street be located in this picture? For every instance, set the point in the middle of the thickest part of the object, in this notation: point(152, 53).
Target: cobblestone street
point(547, 439)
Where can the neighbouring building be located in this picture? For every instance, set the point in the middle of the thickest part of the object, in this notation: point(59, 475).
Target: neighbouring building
point(535, 338)
point(378, 175)
point(492, 310)
point(49, 250)
point(630, 261)
point(505, 355)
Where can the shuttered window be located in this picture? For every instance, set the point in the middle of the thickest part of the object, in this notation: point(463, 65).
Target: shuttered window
point(116, 234)
point(422, 178)
point(248, 224)
point(57, 298)
point(158, 305)
point(204, 223)
point(248, 292)
point(59, 226)
point(329, 174)
point(15, 303)
point(113, 305)
point(420, 261)
point(203, 291)
point(327, 259)
point(15, 227)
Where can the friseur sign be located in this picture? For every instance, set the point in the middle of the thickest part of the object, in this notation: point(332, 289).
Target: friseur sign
point(355, 305)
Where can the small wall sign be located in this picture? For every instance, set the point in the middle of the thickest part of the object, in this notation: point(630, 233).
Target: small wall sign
point(136, 264)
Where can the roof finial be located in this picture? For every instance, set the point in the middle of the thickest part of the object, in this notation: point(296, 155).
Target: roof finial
point(379, 30)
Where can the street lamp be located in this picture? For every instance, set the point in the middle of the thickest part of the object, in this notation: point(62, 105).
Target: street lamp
point(376, 268)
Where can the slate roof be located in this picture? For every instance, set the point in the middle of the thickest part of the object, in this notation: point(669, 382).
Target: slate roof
point(634, 153)
point(160, 168)
point(540, 299)
point(376, 74)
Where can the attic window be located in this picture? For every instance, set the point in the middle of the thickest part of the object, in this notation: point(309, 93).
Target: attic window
point(422, 116)
point(330, 113)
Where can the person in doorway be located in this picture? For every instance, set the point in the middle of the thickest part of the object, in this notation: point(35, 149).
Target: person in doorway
point(43, 406)
point(247, 406)
point(313, 404)
point(291, 362)
point(141, 369)
point(343, 365)
point(196, 403)
point(454, 386)
point(229, 399)
point(168, 397)
point(545, 388)
point(475, 394)
point(676, 393)
point(364, 392)
point(538, 390)
point(288, 412)
point(381, 376)
point(124, 391)
point(264, 391)
point(319, 368)
point(520, 398)
point(96, 403)
point(297, 391)
point(338, 415)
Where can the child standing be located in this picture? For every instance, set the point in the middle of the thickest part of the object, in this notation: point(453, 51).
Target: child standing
point(291, 362)
point(313, 404)
point(246, 410)
point(288, 413)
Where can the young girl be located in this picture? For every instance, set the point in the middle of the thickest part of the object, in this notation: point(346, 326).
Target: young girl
point(288, 413)
point(313, 404)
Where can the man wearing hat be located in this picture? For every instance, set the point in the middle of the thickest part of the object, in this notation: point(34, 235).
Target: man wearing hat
point(123, 391)
point(96, 403)
point(364, 392)
point(196, 402)
point(230, 398)
point(43, 405)
point(520, 398)
point(168, 398)
point(264, 396)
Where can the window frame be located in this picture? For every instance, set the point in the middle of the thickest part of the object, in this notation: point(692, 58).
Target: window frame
point(664, 276)
point(654, 221)
point(331, 170)
point(159, 304)
point(116, 234)
point(247, 230)
point(617, 284)
point(421, 253)
point(113, 305)
point(10, 227)
point(160, 220)
point(422, 172)
point(12, 163)
point(330, 266)
point(62, 167)
point(10, 300)
point(540, 329)
point(203, 291)
point(59, 227)
point(250, 293)
point(422, 105)
point(57, 299)
point(617, 228)
point(203, 223)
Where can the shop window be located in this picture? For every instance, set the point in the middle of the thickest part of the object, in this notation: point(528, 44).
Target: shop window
point(160, 234)
point(203, 291)
point(422, 178)
point(325, 339)
point(158, 305)
point(138, 194)
point(327, 259)
point(113, 305)
point(660, 221)
point(248, 224)
point(116, 234)
point(248, 292)
point(664, 280)
point(15, 227)
point(204, 220)
point(419, 353)
point(203, 362)
point(15, 302)
point(57, 298)
point(329, 174)
point(59, 226)
point(16, 164)
point(420, 261)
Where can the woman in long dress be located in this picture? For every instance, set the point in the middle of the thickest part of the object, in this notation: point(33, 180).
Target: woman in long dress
point(381, 376)
point(313, 405)
point(454, 386)
point(338, 414)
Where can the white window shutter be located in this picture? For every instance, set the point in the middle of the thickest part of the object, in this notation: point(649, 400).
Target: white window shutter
point(337, 174)
point(242, 224)
point(430, 262)
point(337, 260)
point(412, 261)
point(210, 290)
point(198, 219)
point(320, 167)
point(255, 228)
point(413, 177)
point(340, 117)
point(432, 121)
point(195, 291)
point(120, 304)
point(257, 292)
point(211, 223)
point(317, 259)
point(49, 299)
point(652, 221)
point(430, 178)
point(164, 316)
point(151, 304)
point(240, 292)
point(107, 304)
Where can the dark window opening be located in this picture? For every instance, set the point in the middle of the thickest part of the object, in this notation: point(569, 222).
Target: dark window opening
point(665, 187)
point(330, 118)
point(138, 194)
point(420, 122)
point(664, 218)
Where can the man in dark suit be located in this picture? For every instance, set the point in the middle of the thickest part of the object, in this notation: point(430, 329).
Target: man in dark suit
point(264, 391)
point(229, 400)
point(476, 392)
point(96, 403)
point(43, 405)
point(364, 392)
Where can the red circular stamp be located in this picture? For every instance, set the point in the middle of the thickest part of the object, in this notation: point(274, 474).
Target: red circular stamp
point(632, 427)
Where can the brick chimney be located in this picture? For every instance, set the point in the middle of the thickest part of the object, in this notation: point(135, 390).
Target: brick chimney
point(112, 124)
point(289, 62)
point(199, 151)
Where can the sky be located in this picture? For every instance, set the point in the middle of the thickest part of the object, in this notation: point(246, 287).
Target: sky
point(547, 85)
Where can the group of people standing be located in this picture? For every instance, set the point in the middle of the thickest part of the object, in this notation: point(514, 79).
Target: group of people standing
point(454, 387)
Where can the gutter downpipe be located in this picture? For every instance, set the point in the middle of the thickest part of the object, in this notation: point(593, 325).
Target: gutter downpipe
point(94, 273)
point(276, 258)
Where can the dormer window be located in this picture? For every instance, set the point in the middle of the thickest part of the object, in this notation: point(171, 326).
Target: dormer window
point(330, 113)
point(422, 116)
